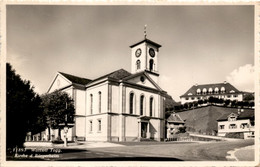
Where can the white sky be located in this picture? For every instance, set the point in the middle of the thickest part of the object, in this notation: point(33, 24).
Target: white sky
point(200, 44)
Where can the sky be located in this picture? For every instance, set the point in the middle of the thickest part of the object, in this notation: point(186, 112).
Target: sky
point(200, 44)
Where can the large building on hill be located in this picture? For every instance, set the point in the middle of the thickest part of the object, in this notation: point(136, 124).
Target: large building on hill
point(220, 90)
point(119, 106)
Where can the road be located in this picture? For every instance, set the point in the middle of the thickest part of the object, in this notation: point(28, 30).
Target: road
point(147, 151)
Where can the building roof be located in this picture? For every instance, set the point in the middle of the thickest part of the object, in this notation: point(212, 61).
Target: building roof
point(246, 114)
point(228, 87)
point(75, 79)
point(118, 75)
point(148, 41)
point(175, 118)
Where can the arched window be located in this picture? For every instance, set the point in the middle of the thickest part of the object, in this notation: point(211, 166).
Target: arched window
point(99, 102)
point(216, 90)
point(151, 106)
point(142, 105)
point(204, 91)
point(138, 64)
point(91, 104)
point(131, 103)
point(223, 90)
point(198, 91)
point(151, 64)
point(210, 90)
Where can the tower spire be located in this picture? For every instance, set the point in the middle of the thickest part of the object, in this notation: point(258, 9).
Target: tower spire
point(145, 31)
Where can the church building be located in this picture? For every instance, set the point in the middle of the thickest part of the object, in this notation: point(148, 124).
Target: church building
point(121, 105)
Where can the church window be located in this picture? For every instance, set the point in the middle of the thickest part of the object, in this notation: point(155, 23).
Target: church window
point(142, 105)
point(99, 102)
point(99, 125)
point(90, 126)
point(131, 103)
point(151, 64)
point(151, 106)
point(138, 64)
point(91, 104)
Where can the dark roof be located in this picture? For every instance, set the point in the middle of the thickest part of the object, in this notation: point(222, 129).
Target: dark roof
point(175, 118)
point(246, 114)
point(228, 87)
point(118, 75)
point(148, 41)
point(75, 79)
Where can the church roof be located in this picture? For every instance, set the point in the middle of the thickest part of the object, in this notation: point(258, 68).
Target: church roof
point(148, 41)
point(228, 87)
point(75, 79)
point(175, 118)
point(118, 75)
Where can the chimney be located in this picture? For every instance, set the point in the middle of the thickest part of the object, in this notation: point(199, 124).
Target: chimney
point(196, 84)
point(225, 82)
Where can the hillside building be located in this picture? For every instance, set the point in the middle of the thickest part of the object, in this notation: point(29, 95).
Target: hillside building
point(174, 122)
point(241, 122)
point(219, 90)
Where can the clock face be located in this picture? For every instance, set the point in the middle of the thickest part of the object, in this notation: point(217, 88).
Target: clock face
point(151, 52)
point(138, 52)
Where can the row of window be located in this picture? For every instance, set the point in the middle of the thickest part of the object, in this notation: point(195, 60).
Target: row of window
point(199, 98)
point(234, 126)
point(91, 125)
point(131, 104)
point(142, 104)
point(210, 91)
point(151, 64)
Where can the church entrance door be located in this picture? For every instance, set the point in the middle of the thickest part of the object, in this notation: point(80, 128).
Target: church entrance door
point(144, 129)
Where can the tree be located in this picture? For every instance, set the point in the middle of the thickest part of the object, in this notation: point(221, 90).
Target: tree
point(211, 100)
point(227, 102)
point(22, 109)
point(248, 97)
point(234, 103)
point(252, 104)
point(58, 108)
point(200, 102)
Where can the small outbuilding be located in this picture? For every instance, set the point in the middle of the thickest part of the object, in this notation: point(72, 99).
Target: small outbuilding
point(173, 124)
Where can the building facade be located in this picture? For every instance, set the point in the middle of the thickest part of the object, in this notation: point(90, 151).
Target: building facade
point(219, 90)
point(119, 106)
point(173, 124)
point(241, 122)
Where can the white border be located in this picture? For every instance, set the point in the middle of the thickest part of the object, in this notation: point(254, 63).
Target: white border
point(125, 2)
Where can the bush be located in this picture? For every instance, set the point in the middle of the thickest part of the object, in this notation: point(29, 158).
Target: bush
point(237, 135)
point(182, 129)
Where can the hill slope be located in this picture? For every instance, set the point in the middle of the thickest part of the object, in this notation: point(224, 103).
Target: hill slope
point(205, 119)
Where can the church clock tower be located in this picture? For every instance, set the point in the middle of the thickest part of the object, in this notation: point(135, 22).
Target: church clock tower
point(144, 57)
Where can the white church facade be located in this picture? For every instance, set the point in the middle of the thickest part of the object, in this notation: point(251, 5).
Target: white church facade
point(119, 106)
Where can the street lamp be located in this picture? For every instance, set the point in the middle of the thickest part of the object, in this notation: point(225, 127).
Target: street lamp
point(66, 127)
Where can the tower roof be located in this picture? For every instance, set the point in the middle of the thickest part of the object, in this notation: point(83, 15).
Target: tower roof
point(148, 41)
